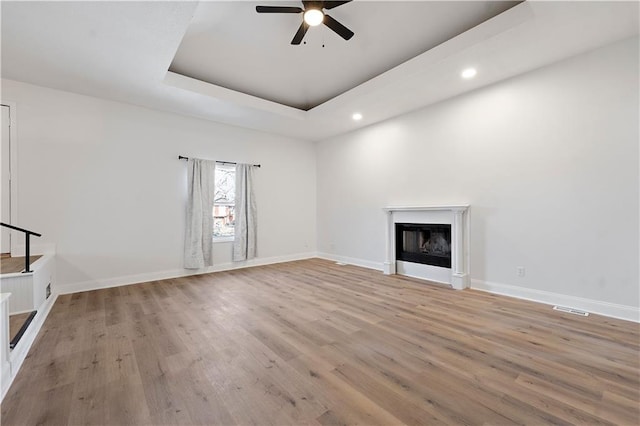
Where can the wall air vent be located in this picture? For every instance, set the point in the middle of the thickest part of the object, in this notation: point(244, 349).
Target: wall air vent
point(571, 311)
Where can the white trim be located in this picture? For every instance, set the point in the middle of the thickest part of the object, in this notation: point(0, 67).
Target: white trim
point(628, 313)
point(16, 275)
point(175, 273)
point(5, 365)
point(13, 148)
point(19, 353)
point(218, 92)
point(378, 266)
point(612, 310)
point(456, 215)
point(436, 274)
point(425, 208)
point(33, 267)
point(624, 312)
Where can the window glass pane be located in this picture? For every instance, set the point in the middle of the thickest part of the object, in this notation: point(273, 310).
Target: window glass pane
point(223, 221)
point(224, 200)
point(225, 189)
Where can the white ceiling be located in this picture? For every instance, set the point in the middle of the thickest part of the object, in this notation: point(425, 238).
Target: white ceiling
point(123, 50)
point(218, 49)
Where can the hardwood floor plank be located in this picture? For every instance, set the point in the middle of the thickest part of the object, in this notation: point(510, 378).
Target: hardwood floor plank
point(203, 404)
point(114, 313)
point(346, 405)
point(406, 410)
point(51, 406)
point(126, 403)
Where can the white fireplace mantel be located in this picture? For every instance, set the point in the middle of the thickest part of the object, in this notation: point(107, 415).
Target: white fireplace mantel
point(455, 215)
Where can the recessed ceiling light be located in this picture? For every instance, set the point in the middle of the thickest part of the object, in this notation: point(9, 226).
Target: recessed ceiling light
point(469, 73)
point(357, 116)
point(313, 17)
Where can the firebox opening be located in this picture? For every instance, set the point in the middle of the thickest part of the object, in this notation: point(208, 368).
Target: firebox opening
point(429, 244)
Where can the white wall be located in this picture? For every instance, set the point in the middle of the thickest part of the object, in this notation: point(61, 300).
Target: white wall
point(102, 181)
point(548, 162)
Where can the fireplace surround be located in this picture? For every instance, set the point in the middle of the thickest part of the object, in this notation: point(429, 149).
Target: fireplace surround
point(419, 224)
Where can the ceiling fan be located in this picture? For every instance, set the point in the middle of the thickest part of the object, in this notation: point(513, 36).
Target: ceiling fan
point(312, 15)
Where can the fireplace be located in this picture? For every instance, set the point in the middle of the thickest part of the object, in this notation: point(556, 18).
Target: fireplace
point(429, 244)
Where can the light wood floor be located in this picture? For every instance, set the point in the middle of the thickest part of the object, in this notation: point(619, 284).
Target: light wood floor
point(311, 342)
point(9, 265)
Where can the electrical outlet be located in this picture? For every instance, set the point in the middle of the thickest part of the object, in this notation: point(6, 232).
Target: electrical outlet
point(520, 271)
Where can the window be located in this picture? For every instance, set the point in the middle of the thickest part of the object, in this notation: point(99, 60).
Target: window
point(224, 202)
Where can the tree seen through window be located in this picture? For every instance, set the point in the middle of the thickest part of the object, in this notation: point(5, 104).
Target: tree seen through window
point(224, 201)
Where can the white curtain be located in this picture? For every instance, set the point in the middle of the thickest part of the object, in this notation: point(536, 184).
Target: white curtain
point(244, 243)
point(199, 231)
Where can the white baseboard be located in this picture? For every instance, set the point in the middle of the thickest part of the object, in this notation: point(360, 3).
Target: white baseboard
point(5, 371)
point(19, 353)
point(612, 310)
point(351, 261)
point(175, 273)
point(624, 312)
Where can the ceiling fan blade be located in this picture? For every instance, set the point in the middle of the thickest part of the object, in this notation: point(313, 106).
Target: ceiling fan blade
point(278, 9)
point(331, 4)
point(337, 27)
point(297, 39)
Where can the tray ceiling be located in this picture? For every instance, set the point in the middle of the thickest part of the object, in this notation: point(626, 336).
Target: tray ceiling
point(230, 45)
point(123, 50)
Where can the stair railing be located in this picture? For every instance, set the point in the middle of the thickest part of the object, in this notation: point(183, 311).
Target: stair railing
point(27, 235)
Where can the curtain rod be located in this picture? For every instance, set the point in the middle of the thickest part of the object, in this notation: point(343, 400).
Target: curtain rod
point(182, 157)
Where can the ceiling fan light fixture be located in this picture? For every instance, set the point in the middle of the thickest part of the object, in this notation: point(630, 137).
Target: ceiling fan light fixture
point(313, 17)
